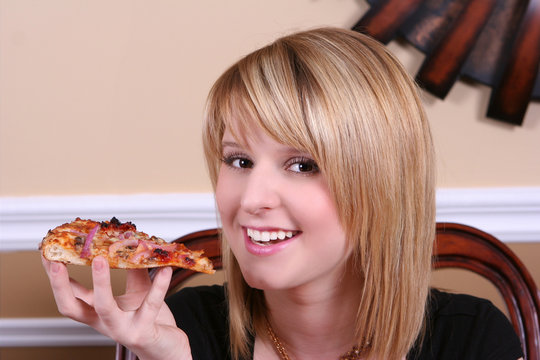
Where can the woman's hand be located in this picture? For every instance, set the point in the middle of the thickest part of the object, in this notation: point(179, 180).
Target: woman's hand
point(139, 319)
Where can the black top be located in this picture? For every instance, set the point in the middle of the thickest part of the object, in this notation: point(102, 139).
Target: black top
point(458, 327)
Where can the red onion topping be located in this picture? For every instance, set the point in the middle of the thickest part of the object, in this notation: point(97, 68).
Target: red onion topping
point(122, 243)
point(85, 253)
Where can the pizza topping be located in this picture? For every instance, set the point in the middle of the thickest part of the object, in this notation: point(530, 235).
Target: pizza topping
point(147, 249)
point(85, 253)
point(115, 226)
point(189, 261)
point(125, 243)
point(80, 241)
point(114, 222)
point(164, 247)
point(161, 252)
point(78, 233)
point(142, 252)
point(164, 255)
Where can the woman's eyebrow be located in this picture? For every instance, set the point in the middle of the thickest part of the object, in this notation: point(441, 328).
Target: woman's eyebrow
point(229, 144)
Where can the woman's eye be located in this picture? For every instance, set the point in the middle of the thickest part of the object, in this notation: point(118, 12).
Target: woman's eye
point(242, 163)
point(304, 166)
point(238, 162)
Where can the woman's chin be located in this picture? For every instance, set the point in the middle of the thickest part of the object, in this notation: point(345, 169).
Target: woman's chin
point(263, 282)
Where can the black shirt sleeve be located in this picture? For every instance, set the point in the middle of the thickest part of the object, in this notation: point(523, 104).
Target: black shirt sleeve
point(465, 327)
point(201, 312)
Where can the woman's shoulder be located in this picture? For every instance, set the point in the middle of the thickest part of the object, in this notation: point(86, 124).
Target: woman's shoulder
point(201, 312)
point(204, 291)
point(209, 296)
point(443, 303)
point(199, 306)
point(460, 326)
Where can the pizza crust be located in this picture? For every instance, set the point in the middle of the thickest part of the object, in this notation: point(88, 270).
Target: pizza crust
point(55, 252)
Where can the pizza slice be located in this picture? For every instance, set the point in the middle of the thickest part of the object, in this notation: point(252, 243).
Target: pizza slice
point(79, 241)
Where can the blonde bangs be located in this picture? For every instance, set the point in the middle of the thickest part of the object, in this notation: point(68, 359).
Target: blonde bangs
point(261, 91)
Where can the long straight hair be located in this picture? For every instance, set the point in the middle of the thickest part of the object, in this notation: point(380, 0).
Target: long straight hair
point(343, 98)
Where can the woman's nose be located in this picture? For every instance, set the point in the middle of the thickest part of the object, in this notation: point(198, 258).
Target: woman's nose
point(261, 192)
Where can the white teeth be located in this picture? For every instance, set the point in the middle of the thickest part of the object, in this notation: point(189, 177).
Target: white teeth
point(266, 236)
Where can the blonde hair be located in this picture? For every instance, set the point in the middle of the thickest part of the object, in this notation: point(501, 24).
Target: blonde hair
point(343, 98)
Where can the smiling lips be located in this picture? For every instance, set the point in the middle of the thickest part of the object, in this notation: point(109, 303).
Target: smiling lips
point(267, 237)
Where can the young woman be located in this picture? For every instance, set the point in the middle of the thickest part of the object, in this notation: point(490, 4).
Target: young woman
point(322, 163)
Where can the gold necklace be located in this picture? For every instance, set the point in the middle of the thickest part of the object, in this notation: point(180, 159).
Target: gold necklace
point(353, 354)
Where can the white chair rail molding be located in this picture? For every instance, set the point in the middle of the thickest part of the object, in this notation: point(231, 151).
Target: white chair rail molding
point(511, 214)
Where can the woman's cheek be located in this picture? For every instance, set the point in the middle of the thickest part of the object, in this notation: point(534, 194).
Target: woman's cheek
point(227, 196)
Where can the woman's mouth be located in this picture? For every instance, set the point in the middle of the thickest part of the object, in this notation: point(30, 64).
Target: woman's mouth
point(266, 238)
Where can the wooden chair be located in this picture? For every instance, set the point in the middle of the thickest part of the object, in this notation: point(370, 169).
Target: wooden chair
point(461, 246)
point(457, 246)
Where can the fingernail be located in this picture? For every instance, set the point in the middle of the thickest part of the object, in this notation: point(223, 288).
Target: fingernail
point(98, 263)
point(55, 267)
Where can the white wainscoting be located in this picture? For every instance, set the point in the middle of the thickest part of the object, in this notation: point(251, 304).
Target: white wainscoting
point(31, 332)
point(25, 220)
point(511, 214)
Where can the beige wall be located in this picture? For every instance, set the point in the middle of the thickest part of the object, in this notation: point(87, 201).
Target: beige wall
point(105, 97)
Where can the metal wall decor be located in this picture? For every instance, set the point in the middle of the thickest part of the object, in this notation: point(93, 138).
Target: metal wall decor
point(494, 42)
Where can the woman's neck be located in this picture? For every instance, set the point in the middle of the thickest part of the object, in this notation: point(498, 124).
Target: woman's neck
point(316, 320)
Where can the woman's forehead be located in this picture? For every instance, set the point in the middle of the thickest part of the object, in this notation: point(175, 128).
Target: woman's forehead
point(245, 135)
point(241, 132)
point(239, 138)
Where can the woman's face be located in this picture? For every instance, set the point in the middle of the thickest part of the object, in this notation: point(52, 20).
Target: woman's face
point(278, 214)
